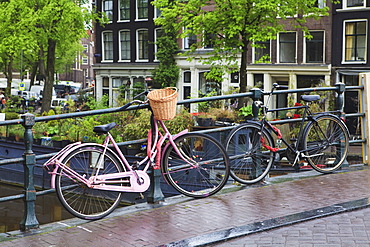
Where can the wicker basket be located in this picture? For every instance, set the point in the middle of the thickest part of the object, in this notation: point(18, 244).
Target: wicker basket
point(163, 103)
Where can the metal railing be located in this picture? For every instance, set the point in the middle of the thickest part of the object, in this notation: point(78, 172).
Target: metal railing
point(28, 159)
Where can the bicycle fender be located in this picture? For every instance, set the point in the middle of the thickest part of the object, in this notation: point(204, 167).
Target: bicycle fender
point(169, 143)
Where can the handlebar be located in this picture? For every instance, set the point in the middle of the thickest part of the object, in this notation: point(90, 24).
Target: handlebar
point(135, 101)
point(141, 94)
point(277, 86)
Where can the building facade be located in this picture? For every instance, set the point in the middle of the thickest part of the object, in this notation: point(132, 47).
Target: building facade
point(125, 50)
point(350, 52)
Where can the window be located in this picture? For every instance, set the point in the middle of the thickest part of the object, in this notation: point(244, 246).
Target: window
point(207, 86)
point(187, 77)
point(315, 47)
point(262, 51)
point(85, 60)
point(86, 47)
point(107, 46)
point(142, 9)
point(355, 41)
point(353, 3)
point(116, 82)
point(287, 47)
point(209, 40)
point(143, 43)
point(108, 9)
point(320, 4)
point(105, 82)
point(189, 41)
point(125, 45)
point(124, 10)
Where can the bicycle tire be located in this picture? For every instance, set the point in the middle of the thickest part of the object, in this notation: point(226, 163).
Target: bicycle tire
point(250, 161)
point(209, 171)
point(80, 200)
point(326, 138)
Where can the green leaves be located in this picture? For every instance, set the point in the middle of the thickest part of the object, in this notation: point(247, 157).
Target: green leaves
point(235, 24)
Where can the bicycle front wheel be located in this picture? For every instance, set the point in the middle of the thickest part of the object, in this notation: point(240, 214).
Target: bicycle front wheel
point(326, 143)
point(250, 160)
point(198, 166)
point(76, 197)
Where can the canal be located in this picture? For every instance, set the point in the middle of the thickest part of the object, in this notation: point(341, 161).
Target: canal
point(48, 208)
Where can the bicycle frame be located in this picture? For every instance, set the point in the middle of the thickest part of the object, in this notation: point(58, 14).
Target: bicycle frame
point(138, 179)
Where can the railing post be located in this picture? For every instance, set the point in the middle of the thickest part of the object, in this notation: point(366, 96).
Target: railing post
point(341, 88)
point(29, 220)
point(155, 193)
point(257, 94)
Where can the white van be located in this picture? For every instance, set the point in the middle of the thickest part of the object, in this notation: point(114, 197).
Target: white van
point(27, 95)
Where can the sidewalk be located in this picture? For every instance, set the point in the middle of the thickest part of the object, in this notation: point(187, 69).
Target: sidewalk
point(181, 221)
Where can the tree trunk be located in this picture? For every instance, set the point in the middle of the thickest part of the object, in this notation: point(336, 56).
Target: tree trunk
point(243, 74)
point(9, 77)
point(49, 82)
point(33, 73)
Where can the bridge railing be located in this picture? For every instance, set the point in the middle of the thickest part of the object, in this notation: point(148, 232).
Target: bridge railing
point(28, 159)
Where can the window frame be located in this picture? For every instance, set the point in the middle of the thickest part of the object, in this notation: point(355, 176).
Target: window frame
point(255, 50)
point(345, 5)
point(306, 40)
point(120, 45)
point(109, 11)
point(104, 45)
point(279, 53)
point(344, 46)
point(140, 7)
point(126, 10)
point(138, 46)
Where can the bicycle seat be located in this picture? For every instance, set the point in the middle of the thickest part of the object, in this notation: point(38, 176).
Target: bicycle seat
point(104, 128)
point(310, 98)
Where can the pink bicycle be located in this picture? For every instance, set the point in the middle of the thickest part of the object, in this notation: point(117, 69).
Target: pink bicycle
point(90, 178)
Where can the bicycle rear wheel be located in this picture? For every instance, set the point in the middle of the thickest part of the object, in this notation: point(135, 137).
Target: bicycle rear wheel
point(80, 200)
point(250, 161)
point(203, 172)
point(326, 141)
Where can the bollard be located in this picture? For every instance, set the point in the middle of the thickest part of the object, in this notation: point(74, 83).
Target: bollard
point(29, 220)
point(155, 193)
point(257, 94)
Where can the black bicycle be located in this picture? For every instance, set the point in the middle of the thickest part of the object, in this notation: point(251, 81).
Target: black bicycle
point(322, 142)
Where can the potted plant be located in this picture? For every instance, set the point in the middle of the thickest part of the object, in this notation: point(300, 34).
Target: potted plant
point(246, 112)
point(224, 115)
point(205, 119)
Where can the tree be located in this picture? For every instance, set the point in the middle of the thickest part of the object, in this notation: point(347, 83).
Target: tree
point(232, 26)
point(50, 30)
point(167, 73)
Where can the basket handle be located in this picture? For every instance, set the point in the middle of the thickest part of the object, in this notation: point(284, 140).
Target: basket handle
point(175, 91)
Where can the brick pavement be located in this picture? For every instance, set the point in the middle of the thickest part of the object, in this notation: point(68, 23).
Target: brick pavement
point(188, 218)
point(345, 229)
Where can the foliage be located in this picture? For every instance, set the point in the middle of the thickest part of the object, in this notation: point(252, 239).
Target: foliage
point(11, 115)
point(167, 73)
point(246, 111)
point(206, 105)
point(138, 129)
point(39, 32)
point(221, 113)
point(232, 26)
